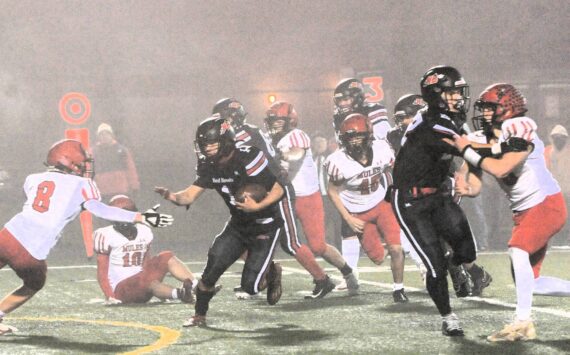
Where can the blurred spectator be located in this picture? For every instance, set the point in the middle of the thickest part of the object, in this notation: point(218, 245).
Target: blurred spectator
point(116, 170)
point(557, 157)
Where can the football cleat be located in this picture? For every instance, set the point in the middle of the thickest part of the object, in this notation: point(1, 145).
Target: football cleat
point(351, 284)
point(322, 287)
point(400, 296)
point(185, 293)
point(242, 295)
point(274, 289)
point(516, 331)
point(481, 281)
point(450, 326)
point(195, 321)
point(6, 329)
point(342, 286)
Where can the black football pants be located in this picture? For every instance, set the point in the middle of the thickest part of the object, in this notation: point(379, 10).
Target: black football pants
point(426, 222)
point(230, 244)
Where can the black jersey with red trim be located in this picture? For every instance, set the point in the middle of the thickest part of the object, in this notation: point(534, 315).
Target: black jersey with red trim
point(251, 135)
point(247, 165)
point(425, 160)
point(376, 112)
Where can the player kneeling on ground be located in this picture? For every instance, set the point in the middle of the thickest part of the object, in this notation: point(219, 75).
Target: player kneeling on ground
point(126, 271)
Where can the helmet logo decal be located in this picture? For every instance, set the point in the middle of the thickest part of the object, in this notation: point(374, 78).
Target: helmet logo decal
point(430, 80)
point(354, 84)
point(224, 127)
point(419, 102)
point(234, 104)
point(461, 81)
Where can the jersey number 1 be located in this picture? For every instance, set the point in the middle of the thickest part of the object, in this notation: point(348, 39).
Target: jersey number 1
point(44, 193)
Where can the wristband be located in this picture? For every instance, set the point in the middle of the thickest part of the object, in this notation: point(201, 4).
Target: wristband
point(472, 157)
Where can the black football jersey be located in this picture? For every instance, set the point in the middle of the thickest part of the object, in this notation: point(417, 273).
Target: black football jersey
point(425, 160)
point(394, 137)
point(247, 165)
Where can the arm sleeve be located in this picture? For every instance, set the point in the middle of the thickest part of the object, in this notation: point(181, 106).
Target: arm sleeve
point(102, 275)
point(109, 213)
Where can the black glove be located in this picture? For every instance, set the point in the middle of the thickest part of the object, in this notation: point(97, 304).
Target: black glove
point(155, 219)
point(515, 144)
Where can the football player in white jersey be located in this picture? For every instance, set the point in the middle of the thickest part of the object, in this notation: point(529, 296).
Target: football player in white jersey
point(126, 270)
point(296, 159)
point(516, 160)
point(54, 198)
point(357, 187)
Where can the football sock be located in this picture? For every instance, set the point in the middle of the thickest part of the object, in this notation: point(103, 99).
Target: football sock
point(2, 314)
point(397, 287)
point(176, 293)
point(544, 285)
point(346, 270)
point(351, 252)
point(524, 282)
point(437, 288)
point(202, 301)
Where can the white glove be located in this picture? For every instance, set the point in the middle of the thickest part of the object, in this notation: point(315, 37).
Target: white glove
point(155, 219)
point(112, 301)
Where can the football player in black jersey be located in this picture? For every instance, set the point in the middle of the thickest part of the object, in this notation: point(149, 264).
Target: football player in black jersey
point(404, 111)
point(233, 111)
point(428, 215)
point(253, 226)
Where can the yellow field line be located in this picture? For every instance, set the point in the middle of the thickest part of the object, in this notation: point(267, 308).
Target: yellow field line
point(167, 336)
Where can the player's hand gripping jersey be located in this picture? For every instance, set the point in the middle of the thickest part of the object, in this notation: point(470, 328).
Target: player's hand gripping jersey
point(530, 183)
point(365, 186)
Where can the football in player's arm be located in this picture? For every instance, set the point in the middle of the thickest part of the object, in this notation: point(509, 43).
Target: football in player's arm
point(254, 226)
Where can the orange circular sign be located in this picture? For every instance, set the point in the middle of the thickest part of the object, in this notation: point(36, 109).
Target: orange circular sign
point(74, 108)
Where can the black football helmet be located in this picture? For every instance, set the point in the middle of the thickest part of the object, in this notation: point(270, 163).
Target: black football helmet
point(440, 79)
point(407, 106)
point(231, 110)
point(349, 88)
point(213, 130)
point(356, 135)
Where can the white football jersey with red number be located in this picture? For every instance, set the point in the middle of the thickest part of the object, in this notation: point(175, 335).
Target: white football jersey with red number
point(363, 187)
point(125, 256)
point(52, 200)
point(306, 180)
point(530, 183)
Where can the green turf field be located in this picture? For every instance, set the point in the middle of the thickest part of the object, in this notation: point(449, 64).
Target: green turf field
point(67, 317)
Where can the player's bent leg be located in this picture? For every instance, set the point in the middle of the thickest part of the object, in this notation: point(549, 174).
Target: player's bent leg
point(372, 244)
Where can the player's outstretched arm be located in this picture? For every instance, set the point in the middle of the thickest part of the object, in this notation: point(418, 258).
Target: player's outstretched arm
point(181, 198)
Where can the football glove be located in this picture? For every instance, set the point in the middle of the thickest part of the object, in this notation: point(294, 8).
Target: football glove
point(155, 219)
point(515, 144)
